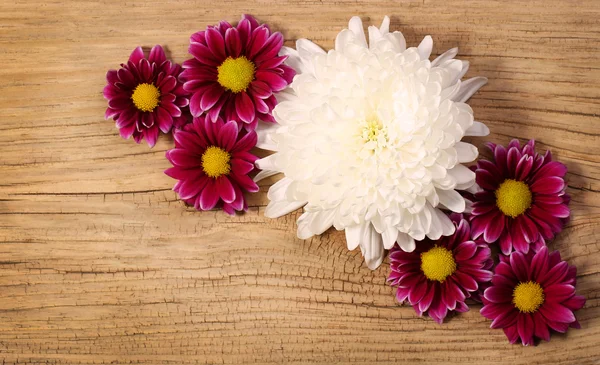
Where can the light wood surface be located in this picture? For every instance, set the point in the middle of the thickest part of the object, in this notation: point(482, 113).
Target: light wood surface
point(101, 264)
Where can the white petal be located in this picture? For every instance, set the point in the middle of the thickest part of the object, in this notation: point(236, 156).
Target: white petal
point(448, 227)
point(264, 174)
point(469, 87)
point(478, 129)
point(354, 235)
point(466, 152)
point(356, 26)
point(267, 163)
point(448, 55)
point(465, 68)
point(425, 48)
point(452, 200)
point(389, 237)
point(372, 248)
point(264, 131)
point(406, 242)
point(464, 177)
point(385, 25)
point(293, 60)
point(277, 191)
point(281, 208)
point(314, 223)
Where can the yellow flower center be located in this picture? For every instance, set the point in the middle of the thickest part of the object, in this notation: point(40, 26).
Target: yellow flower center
point(215, 162)
point(371, 129)
point(438, 263)
point(236, 74)
point(513, 197)
point(145, 97)
point(528, 297)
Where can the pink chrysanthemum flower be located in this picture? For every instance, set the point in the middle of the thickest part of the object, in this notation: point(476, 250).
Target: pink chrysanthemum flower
point(235, 71)
point(439, 275)
point(145, 96)
point(531, 293)
point(212, 161)
point(523, 199)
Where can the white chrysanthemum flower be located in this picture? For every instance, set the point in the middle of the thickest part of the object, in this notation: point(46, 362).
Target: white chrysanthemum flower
point(369, 140)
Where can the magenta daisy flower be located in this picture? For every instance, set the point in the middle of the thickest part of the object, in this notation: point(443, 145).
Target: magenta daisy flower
point(530, 294)
point(144, 96)
point(439, 275)
point(523, 199)
point(235, 71)
point(212, 162)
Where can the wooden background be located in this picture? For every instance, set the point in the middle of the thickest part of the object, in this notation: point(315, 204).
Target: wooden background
point(101, 264)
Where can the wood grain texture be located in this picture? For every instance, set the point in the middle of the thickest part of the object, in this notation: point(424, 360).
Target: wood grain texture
point(101, 264)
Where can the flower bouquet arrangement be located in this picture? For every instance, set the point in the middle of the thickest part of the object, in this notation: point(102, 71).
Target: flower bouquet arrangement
point(366, 138)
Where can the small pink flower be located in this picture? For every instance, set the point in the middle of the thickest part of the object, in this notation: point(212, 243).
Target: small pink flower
point(144, 96)
point(236, 71)
point(523, 199)
point(530, 294)
point(212, 161)
point(439, 275)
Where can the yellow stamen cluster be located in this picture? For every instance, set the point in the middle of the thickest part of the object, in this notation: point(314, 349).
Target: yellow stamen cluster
point(528, 296)
point(146, 97)
point(438, 263)
point(236, 74)
point(513, 198)
point(215, 162)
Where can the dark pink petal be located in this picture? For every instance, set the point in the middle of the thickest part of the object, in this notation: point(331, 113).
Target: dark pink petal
point(259, 39)
point(465, 251)
point(505, 319)
point(233, 42)
point(500, 159)
point(111, 113)
point(239, 203)
point(195, 108)
point(271, 48)
point(288, 73)
point(548, 199)
point(511, 333)
point(251, 20)
point(493, 310)
point(541, 328)
point(416, 294)
point(260, 89)
point(157, 55)
point(151, 135)
point(557, 210)
point(244, 30)
point(504, 269)
point(512, 159)
point(145, 70)
point(275, 81)
point(214, 112)
point(147, 120)
point(556, 312)
point(228, 135)
point(127, 131)
point(427, 299)
point(465, 281)
point(558, 326)
point(120, 104)
point(539, 264)
point(576, 302)
point(548, 185)
point(136, 55)
point(225, 189)
point(241, 167)
point(246, 143)
point(167, 85)
point(203, 54)
point(209, 196)
point(272, 62)
point(496, 294)
point(191, 187)
point(215, 43)
point(491, 168)
point(519, 240)
point(483, 207)
point(183, 158)
point(525, 328)
point(495, 227)
point(524, 168)
point(503, 281)
point(553, 168)
point(244, 107)
point(520, 266)
point(165, 121)
point(210, 97)
point(555, 274)
point(171, 109)
point(558, 292)
point(111, 77)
